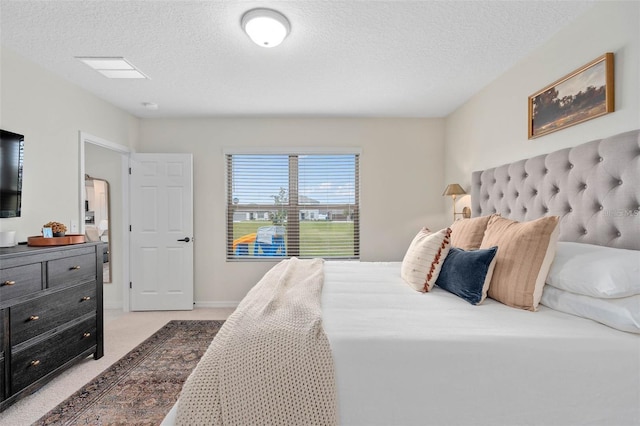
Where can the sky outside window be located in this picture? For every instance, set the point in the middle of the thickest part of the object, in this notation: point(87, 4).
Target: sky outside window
point(327, 179)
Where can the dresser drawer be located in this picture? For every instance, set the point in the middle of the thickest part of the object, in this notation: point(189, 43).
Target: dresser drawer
point(2, 355)
point(20, 281)
point(71, 270)
point(2, 333)
point(35, 362)
point(2, 396)
point(45, 313)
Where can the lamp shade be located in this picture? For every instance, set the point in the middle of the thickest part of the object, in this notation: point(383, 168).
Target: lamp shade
point(266, 27)
point(454, 189)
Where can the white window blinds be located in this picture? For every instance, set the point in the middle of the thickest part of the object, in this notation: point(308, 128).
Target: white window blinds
point(284, 205)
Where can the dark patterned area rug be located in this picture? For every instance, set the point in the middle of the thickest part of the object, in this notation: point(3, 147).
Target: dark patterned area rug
point(143, 385)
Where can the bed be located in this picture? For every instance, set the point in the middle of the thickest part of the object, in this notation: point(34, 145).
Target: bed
point(401, 357)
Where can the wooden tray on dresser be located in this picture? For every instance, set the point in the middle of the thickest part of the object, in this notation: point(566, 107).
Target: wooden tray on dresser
point(55, 241)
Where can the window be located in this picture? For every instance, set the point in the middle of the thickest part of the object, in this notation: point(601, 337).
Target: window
point(285, 205)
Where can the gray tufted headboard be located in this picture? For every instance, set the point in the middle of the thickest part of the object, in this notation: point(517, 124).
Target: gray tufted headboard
point(593, 187)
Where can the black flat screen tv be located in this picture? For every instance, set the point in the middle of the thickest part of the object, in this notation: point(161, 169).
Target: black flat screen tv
point(11, 160)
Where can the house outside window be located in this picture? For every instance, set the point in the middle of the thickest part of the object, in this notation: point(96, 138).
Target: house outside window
point(292, 204)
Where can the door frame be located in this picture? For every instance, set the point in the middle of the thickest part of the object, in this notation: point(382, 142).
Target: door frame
point(84, 137)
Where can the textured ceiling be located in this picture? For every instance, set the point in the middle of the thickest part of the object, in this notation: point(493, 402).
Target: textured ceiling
point(342, 58)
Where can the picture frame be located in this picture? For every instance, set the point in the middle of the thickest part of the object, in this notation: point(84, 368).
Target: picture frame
point(47, 232)
point(581, 95)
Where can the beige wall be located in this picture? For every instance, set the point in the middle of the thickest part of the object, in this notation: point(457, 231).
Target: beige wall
point(49, 112)
point(491, 128)
point(402, 167)
point(401, 176)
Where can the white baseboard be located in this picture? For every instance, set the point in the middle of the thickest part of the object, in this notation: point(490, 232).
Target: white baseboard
point(223, 304)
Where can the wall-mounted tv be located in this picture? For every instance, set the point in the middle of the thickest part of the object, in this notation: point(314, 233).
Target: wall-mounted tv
point(11, 160)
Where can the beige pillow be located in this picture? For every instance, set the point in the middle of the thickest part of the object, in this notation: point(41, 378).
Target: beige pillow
point(91, 233)
point(525, 253)
point(467, 234)
point(424, 258)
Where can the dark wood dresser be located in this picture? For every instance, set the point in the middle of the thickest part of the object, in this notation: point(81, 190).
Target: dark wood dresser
point(50, 314)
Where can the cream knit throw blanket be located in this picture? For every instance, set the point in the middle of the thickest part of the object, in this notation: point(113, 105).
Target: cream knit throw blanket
point(270, 364)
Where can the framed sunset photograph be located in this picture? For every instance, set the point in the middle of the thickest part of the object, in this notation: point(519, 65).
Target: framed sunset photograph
point(586, 93)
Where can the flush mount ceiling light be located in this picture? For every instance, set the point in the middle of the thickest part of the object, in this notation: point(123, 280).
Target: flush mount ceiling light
point(266, 27)
point(112, 67)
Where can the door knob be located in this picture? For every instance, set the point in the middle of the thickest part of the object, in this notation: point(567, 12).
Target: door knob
point(185, 239)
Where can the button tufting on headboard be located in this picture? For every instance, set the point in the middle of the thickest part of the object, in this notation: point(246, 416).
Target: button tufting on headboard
point(593, 187)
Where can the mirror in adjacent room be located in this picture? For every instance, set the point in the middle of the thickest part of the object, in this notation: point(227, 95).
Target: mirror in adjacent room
point(96, 218)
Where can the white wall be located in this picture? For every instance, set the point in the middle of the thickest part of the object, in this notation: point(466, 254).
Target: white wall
point(401, 176)
point(491, 128)
point(49, 112)
point(402, 168)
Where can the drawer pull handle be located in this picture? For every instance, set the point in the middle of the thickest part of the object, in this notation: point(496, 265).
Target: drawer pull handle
point(9, 282)
point(85, 335)
point(34, 318)
point(35, 362)
point(85, 298)
point(73, 268)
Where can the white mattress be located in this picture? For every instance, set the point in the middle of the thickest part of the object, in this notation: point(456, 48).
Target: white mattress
point(407, 358)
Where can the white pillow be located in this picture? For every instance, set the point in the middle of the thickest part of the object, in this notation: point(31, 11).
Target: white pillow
point(621, 314)
point(595, 271)
point(424, 258)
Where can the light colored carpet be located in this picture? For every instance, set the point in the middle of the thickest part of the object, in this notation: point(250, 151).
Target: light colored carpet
point(122, 332)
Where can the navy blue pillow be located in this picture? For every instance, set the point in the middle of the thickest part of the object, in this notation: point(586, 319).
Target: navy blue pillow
point(464, 273)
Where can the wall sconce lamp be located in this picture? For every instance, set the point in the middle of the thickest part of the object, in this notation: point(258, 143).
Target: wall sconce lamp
point(453, 189)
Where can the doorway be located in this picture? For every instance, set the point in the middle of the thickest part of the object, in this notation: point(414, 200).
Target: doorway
point(107, 160)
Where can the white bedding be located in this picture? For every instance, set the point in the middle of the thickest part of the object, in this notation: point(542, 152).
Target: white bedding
point(408, 358)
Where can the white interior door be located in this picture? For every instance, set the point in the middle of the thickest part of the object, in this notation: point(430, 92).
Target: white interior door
point(161, 232)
